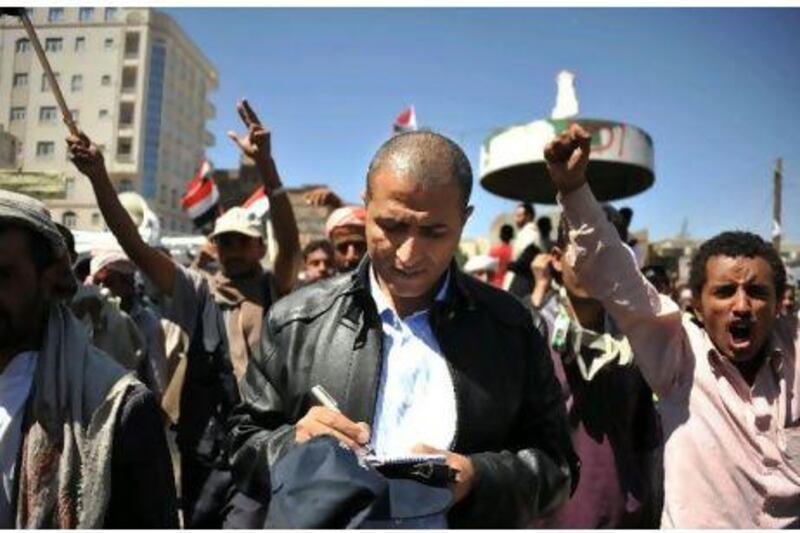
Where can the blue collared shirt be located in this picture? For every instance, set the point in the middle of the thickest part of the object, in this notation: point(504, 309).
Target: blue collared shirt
point(416, 399)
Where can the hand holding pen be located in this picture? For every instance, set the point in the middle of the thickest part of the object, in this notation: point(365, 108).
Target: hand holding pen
point(327, 419)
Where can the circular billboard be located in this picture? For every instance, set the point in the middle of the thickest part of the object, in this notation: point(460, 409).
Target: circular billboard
point(620, 163)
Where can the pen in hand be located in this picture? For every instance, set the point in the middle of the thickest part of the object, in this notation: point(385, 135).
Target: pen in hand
point(326, 400)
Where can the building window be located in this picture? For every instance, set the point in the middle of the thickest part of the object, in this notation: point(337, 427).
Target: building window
point(103, 113)
point(29, 11)
point(17, 113)
point(131, 44)
point(124, 148)
point(162, 198)
point(54, 44)
point(69, 219)
point(80, 44)
point(77, 83)
point(105, 81)
point(75, 114)
point(45, 148)
point(111, 14)
point(20, 79)
point(55, 14)
point(69, 186)
point(22, 45)
point(46, 81)
point(128, 79)
point(85, 13)
point(108, 43)
point(126, 114)
point(47, 113)
point(174, 199)
point(95, 219)
point(125, 185)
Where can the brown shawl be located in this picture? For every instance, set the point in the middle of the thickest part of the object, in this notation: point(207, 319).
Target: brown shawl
point(245, 299)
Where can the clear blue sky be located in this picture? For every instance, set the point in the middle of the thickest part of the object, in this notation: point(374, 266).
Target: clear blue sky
point(718, 90)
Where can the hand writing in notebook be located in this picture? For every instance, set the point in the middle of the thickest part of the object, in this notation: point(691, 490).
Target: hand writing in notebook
point(326, 421)
point(465, 472)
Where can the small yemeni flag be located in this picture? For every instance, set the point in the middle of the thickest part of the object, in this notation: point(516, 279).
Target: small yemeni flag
point(406, 120)
point(202, 195)
point(258, 203)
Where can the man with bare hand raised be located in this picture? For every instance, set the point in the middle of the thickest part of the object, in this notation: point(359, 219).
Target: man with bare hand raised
point(221, 315)
point(727, 378)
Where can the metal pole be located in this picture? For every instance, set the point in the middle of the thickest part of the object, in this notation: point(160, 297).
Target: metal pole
point(776, 205)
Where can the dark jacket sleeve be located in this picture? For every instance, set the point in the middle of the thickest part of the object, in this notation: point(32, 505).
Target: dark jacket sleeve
point(142, 480)
point(259, 431)
point(538, 469)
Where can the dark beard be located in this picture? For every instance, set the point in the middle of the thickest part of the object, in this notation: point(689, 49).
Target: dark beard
point(18, 336)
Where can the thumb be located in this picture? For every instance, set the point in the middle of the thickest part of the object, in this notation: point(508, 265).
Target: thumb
point(424, 448)
point(235, 138)
point(365, 431)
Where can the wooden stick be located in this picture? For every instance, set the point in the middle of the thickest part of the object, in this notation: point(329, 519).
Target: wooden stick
point(68, 120)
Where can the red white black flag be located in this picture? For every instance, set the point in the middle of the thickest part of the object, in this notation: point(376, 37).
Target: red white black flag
point(258, 202)
point(406, 120)
point(202, 196)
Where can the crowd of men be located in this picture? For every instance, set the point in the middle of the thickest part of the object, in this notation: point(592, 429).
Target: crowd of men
point(558, 383)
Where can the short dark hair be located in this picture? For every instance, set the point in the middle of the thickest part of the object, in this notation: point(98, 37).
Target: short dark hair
point(627, 215)
point(528, 208)
point(657, 275)
point(506, 232)
point(318, 244)
point(545, 226)
point(424, 146)
point(40, 249)
point(735, 244)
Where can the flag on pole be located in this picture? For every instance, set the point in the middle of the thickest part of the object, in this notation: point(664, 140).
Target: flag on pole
point(202, 196)
point(406, 120)
point(258, 203)
point(776, 229)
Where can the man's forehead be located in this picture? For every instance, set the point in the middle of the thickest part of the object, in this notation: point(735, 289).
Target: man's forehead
point(318, 253)
point(394, 179)
point(433, 196)
point(740, 269)
point(403, 212)
point(347, 233)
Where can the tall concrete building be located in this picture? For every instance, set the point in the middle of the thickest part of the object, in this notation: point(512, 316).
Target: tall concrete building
point(136, 84)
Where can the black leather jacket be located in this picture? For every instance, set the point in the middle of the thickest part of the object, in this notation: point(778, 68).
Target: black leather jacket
point(511, 416)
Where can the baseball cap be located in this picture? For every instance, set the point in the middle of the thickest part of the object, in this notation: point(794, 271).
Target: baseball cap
point(238, 220)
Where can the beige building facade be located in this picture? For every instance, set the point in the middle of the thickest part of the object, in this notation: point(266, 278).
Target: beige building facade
point(136, 84)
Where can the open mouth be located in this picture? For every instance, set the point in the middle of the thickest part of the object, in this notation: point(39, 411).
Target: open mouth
point(741, 332)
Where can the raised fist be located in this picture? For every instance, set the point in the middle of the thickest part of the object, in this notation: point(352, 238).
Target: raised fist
point(567, 157)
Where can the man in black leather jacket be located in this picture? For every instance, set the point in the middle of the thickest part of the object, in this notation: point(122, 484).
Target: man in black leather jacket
point(510, 442)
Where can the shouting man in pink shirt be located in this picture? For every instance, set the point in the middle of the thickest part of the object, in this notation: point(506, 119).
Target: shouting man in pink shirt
point(727, 378)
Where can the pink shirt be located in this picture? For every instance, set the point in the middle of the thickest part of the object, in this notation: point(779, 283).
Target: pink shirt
point(731, 452)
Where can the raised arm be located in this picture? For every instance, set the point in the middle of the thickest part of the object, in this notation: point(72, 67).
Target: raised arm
point(256, 144)
point(608, 271)
point(155, 265)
